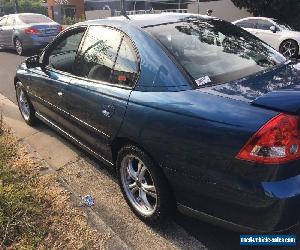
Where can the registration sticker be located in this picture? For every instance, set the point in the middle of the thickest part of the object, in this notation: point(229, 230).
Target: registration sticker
point(203, 80)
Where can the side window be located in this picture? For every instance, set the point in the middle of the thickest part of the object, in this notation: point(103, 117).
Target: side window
point(126, 66)
point(247, 24)
point(62, 55)
point(264, 24)
point(98, 54)
point(3, 21)
point(10, 21)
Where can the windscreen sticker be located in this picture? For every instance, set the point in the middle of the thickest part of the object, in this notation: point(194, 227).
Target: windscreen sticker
point(203, 80)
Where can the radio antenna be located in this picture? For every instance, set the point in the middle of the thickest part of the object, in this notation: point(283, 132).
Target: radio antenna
point(123, 10)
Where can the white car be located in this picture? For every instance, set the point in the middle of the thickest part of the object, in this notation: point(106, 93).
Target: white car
point(275, 33)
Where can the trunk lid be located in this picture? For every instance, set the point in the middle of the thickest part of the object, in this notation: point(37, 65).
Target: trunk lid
point(277, 88)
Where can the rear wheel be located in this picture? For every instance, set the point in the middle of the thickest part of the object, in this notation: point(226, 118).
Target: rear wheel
point(25, 106)
point(19, 47)
point(289, 48)
point(144, 186)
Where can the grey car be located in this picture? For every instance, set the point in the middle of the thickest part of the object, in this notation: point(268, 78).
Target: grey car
point(27, 31)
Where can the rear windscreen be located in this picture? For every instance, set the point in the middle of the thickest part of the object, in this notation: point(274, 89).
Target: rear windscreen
point(35, 19)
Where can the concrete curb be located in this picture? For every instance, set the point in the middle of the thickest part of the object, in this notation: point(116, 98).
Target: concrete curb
point(30, 138)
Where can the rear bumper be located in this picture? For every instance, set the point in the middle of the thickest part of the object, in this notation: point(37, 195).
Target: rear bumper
point(239, 204)
point(36, 42)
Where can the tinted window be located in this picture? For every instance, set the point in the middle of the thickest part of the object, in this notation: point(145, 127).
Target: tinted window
point(98, 54)
point(264, 24)
point(62, 55)
point(215, 51)
point(247, 24)
point(34, 19)
point(126, 67)
point(3, 21)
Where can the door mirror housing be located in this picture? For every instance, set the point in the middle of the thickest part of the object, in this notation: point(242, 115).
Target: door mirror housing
point(273, 29)
point(33, 62)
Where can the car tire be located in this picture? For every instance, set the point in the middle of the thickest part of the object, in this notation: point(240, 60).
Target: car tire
point(289, 48)
point(147, 192)
point(19, 47)
point(25, 106)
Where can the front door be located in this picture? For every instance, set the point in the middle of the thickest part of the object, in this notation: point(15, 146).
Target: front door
point(48, 83)
point(264, 33)
point(105, 71)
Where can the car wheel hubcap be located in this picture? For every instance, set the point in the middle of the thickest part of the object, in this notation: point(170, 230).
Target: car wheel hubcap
point(24, 105)
point(288, 49)
point(19, 47)
point(138, 185)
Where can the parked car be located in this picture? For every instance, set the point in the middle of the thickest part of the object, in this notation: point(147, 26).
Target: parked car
point(27, 31)
point(191, 111)
point(274, 32)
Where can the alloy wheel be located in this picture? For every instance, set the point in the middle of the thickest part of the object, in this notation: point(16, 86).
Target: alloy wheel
point(289, 49)
point(24, 105)
point(138, 185)
point(19, 47)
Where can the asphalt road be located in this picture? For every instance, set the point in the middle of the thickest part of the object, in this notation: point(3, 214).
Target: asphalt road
point(212, 237)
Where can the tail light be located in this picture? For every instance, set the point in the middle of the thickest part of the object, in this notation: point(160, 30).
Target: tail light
point(32, 31)
point(278, 141)
point(60, 29)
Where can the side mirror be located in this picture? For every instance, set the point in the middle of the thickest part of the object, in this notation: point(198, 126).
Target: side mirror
point(273, 29)
point(33, 62)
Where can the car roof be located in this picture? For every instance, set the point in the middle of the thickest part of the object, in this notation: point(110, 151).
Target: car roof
point(258, 17)
point(144, 20)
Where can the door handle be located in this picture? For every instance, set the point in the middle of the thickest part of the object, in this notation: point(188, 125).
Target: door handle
point(60, 93)
point(108, 110)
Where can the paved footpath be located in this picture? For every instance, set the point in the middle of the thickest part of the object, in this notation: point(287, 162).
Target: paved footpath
point(83, 175)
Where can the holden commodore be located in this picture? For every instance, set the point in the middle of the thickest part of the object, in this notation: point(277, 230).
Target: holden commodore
point(192, 112)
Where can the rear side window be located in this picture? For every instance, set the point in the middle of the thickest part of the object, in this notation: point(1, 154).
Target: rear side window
point(264, 24)
point(107, 56)
point(247, 24)
point(10, 21)
point(35, 19)
point(126, 66)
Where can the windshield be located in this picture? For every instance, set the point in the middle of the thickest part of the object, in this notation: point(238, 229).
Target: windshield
point(283, 25)
point(214, 51)
point(35, 19)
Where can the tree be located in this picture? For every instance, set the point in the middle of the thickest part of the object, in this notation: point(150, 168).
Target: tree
point(31, 6)
point(285, 10)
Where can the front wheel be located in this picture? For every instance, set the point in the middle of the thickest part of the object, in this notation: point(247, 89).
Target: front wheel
point(289, 48)
point(144, 186)
point(25, 106)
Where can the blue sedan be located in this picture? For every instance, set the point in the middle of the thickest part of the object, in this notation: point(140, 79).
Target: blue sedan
point(192, 112)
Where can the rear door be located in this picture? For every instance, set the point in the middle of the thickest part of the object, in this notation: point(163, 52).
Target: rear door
point(48, 83)
point(106, 69)
point(8, 30)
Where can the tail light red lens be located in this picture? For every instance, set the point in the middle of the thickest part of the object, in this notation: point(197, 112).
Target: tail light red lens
point(32, 31)
point(277, 142)
point(60, 29)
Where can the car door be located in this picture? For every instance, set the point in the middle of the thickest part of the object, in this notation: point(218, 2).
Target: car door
point(105, 70)
point(264, 32)
point(2, 27)
point(8, 30)
point(48, 82)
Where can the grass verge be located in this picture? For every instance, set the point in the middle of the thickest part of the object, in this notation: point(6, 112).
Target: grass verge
point(35, 211)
